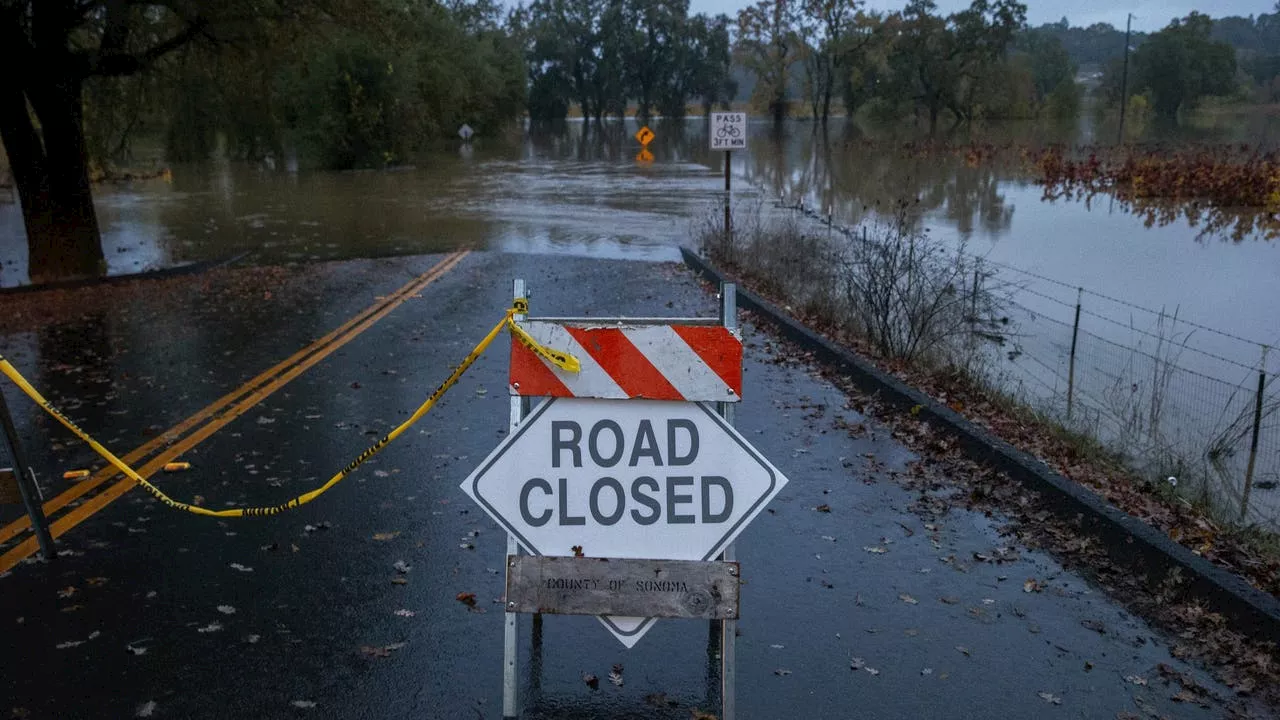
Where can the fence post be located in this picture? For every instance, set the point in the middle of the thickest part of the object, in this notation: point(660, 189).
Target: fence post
point(973, 296)
point(1071, 362)
point(1253, 442)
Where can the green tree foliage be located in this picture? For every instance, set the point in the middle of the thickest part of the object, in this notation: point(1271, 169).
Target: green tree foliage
point(768, 45)
point(834, 35)
point(1183, 63)
point(940, 63)
point(359, 95)
point(600, 54)
point(51, 49)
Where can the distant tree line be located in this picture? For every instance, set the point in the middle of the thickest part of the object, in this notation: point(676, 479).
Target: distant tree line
point(974, 63)
point(604, 55)
point(984, 62)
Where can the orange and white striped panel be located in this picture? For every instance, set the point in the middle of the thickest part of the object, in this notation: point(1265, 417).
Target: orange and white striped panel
point(655, 362)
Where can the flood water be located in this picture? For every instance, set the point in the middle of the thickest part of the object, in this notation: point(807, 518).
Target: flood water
point(587, 193)
point(570, 193)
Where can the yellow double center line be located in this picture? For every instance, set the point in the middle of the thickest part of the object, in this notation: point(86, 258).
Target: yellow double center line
point(214, 417)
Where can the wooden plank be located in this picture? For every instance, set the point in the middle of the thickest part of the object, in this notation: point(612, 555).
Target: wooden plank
point(622, 587)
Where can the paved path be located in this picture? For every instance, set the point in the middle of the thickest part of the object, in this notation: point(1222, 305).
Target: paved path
point(856, 612)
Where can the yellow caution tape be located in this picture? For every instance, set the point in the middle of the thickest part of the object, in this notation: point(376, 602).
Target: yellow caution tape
point(519, 307)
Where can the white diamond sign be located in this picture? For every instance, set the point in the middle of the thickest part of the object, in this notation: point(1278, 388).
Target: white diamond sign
point(624, 479)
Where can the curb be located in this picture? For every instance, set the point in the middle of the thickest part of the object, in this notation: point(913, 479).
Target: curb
point(1147, 550)
point(189, 269)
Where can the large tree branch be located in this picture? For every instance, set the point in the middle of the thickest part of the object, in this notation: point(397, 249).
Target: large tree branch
point(117, 64)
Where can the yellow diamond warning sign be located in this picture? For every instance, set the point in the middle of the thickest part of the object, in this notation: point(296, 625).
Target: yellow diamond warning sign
point(644, 135)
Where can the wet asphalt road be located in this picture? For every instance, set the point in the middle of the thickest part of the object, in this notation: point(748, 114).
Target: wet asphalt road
point(848, 613)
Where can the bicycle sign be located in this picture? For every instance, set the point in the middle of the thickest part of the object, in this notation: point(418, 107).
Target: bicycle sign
point(729, 131)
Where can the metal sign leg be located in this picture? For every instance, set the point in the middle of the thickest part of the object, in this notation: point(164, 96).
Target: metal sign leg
point(26, 480)
point(728, 628)
point(510, 648)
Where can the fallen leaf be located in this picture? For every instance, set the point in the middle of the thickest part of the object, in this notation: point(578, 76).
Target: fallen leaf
point(876, 549)
point(96, 581)
point(949, 600)
point(466, 598)
point(1031, 585)
point(577, 551)
point(659, 700)
point(398, 580)
point(1136, 679)
point(304, 704)
point(908, 599)
point(211, 627)
point(382, 537)
point(253, 639)
point(226, 610)
point(241, 568)
point(1050, 698)
point(69, 644)
point(1184, 696)
point(927, 671)
point(402, 567)
point(823, 508)
point(67, 592)
point(372, 651)
point(146, 708)
point(963, 650)
point(615, 674)
point(696, 714)
point(1095, 625)
point(592, 681)
point(781, 672)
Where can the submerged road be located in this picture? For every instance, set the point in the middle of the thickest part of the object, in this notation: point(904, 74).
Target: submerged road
point(854, 605)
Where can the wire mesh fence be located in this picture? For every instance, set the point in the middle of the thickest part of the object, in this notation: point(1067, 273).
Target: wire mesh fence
point(1182, 402)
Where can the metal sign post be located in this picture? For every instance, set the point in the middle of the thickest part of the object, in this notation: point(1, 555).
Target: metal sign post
point(26, 482)
point(728, 133)
point(628, 484)
point(510, 705)
point(728, 626)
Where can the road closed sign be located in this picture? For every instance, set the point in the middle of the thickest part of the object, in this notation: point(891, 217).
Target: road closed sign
point(624, 479)
point(728, 131)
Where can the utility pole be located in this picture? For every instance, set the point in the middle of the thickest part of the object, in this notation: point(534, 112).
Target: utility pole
point(1124, 79)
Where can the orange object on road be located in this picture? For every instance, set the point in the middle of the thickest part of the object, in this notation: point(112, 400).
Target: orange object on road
point(75, 474)
point(177, 466)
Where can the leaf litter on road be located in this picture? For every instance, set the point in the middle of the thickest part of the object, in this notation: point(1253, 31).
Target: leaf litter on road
point(1050, 698)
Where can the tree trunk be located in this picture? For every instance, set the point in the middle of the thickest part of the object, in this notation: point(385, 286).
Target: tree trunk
point(779, 112)
point(52, 176)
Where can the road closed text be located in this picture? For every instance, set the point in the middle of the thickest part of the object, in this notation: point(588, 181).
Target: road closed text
point(608, 473)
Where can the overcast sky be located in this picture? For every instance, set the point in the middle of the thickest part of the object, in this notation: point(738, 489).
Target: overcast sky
point(1148, 14)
